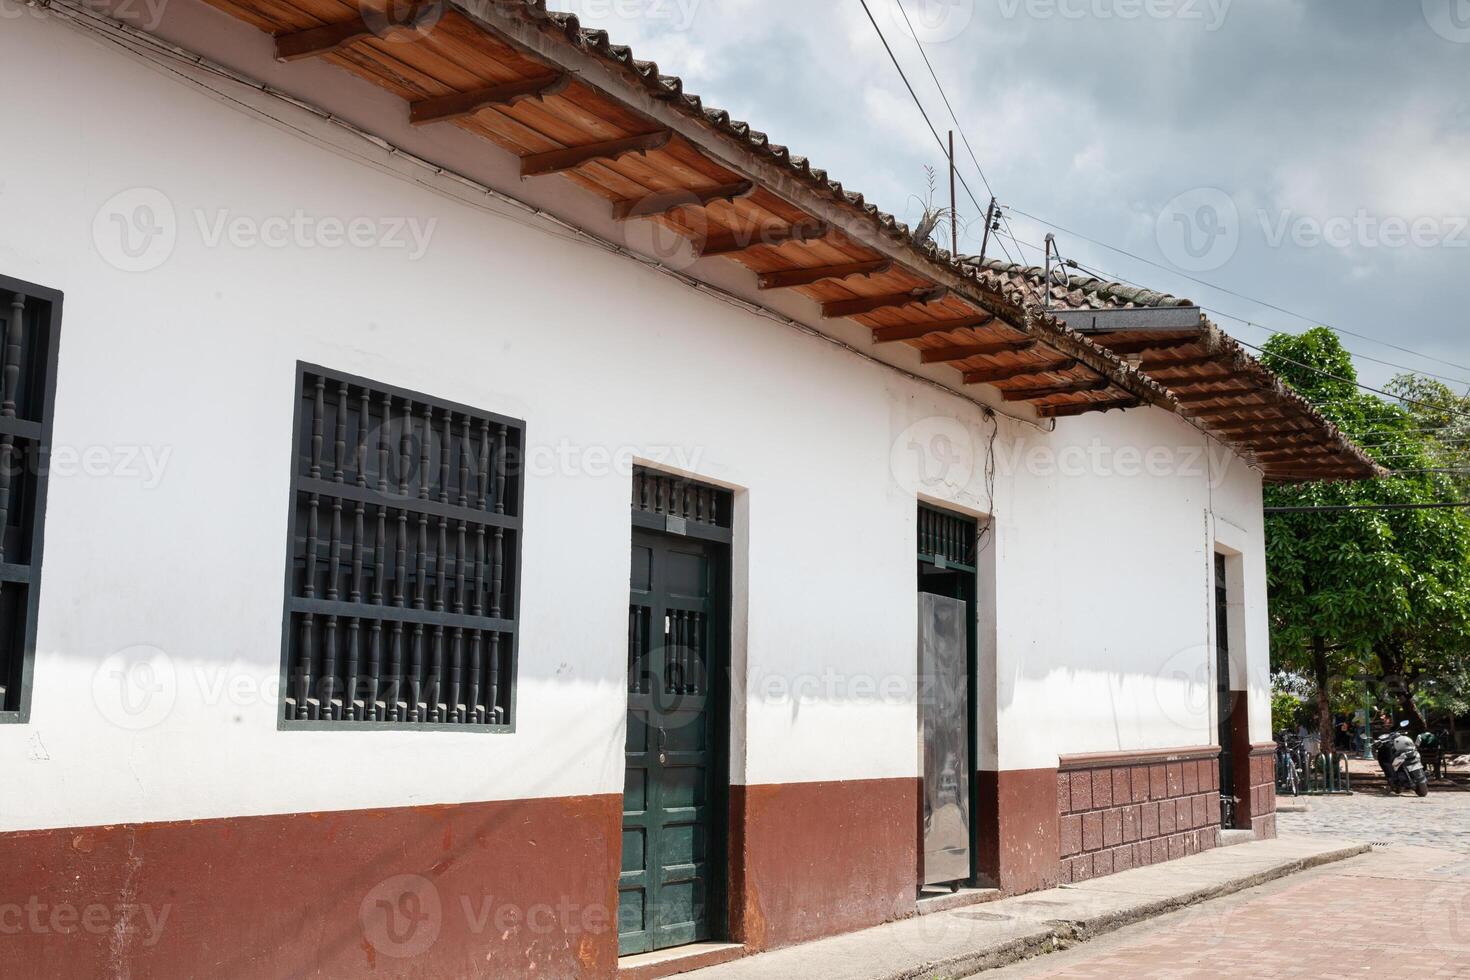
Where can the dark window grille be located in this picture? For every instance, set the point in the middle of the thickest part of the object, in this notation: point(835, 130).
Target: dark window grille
point(30, 325)
point(403, 585)
point(950, 537)
point(681, 498)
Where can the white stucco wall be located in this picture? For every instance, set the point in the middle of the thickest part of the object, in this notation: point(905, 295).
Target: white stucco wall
point(1101, 581)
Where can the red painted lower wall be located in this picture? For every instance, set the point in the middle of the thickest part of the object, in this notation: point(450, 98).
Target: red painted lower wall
point(506, 889)
point(1016, 827)
point(815, 859)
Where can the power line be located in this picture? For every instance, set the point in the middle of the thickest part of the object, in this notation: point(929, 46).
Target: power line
point(915, 96)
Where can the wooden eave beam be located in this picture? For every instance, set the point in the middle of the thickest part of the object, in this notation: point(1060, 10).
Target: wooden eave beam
point(663, 203)
point(1051, 391)
point(734, 152)
point(316, 41)
point(870, 304)
point(557, 161)
point(960, 352)
point(787, 278)
point(1083, 408)
point(460, 104)
point(745, 239)
point(913, 331)
point(982, 376)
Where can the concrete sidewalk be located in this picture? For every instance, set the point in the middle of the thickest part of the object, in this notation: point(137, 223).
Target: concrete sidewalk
point(964, 941)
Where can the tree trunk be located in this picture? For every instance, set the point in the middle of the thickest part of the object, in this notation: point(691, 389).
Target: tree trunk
point(1324, 696)
point(1395, 675)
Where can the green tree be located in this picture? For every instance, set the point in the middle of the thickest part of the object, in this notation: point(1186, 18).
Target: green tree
point(1366, 589)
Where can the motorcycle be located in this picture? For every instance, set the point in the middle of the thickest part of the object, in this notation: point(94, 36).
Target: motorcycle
point(1400, 762)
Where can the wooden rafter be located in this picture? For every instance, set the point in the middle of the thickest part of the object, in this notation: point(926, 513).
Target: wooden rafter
point(1191, 397)
point(786, 278)
point(663, 203)
point(461, 104)
point(316, 41)
point(960, 352)
point(1150, 364)
point(990, 375)
point(1082, 408)
point(913, 331)
point(744, 239)
point(556, 161)
point(1208, 415)
point(1051, 391)
point(1125, 347)
point(869, 304)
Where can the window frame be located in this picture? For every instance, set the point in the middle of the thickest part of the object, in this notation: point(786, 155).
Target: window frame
point(516, 486)
point(51, 330)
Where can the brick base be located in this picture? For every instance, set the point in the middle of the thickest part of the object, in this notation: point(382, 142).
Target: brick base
point(1123, 811)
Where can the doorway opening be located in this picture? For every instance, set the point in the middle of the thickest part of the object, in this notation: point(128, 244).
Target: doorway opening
point(675, 863)
point(947, 546)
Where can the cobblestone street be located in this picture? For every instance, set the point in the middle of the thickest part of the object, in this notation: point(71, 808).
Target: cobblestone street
point(1403, 910)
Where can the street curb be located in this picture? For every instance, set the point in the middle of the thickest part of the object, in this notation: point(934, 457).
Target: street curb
point(1063, 933)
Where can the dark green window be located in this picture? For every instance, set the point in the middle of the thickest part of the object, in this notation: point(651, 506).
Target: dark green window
point(30, 325)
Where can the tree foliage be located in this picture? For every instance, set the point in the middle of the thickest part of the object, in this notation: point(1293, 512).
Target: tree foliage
point(1386, 591)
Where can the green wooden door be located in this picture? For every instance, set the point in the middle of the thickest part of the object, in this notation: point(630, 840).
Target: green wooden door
point(673, 865)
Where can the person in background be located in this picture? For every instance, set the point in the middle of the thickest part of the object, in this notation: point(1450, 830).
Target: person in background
point(1342, 740)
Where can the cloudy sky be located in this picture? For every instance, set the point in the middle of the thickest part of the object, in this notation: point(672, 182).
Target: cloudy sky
point(1311, 155)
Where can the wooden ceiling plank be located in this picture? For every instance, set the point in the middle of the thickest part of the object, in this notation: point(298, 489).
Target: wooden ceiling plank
point(468, 103)
point(663, 203)
point(868, 304)
point(1006, 372)
point(926, 328)
point(805, 277)
point(556, 161)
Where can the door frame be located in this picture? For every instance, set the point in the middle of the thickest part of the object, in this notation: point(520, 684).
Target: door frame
point(719, 539)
